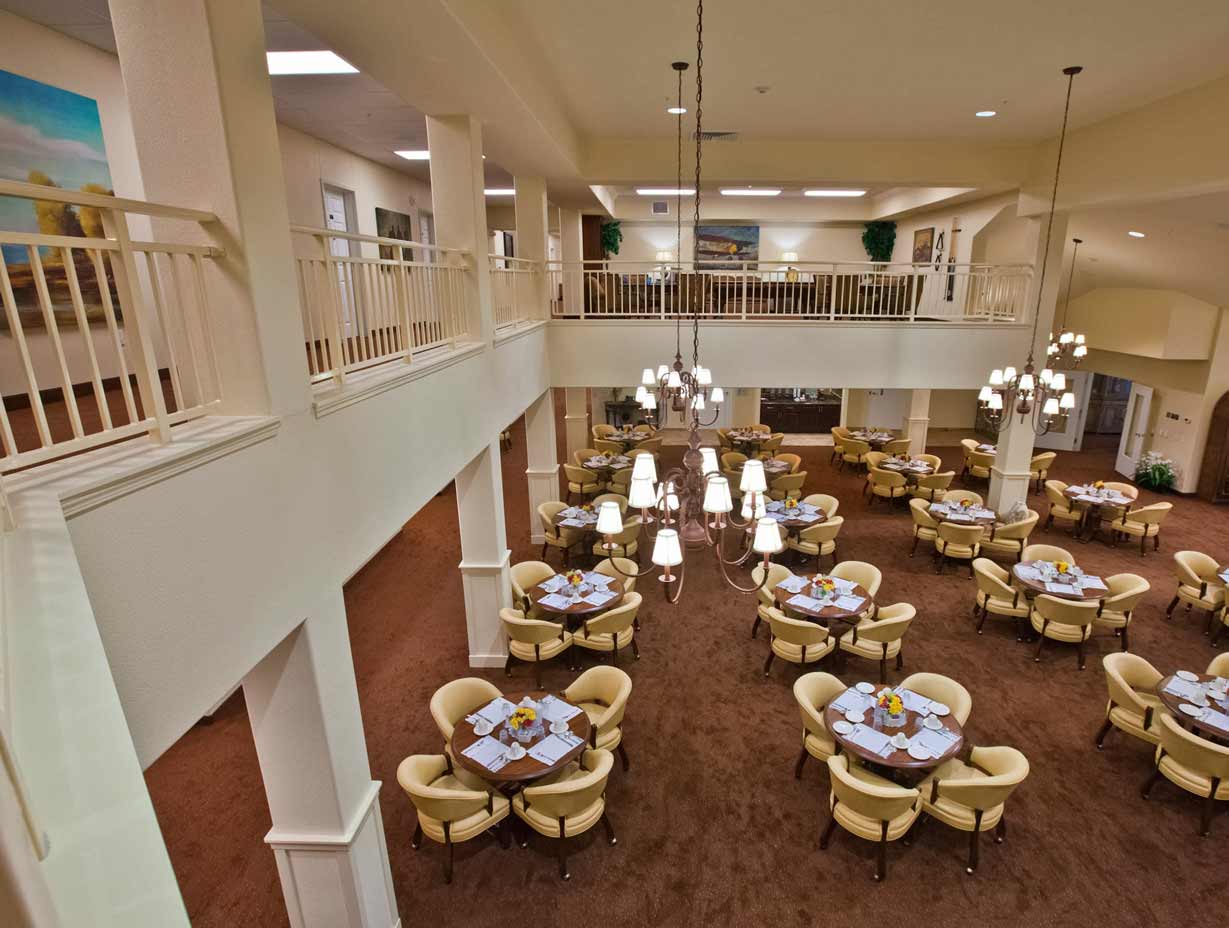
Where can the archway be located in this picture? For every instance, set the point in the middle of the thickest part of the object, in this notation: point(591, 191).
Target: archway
point(1214, 472)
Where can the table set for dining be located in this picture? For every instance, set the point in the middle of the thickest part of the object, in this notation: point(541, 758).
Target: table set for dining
point(590, 593)
point(911, 468)
point(964, 512)
point(822, 598)
point(800, 515)
point(511, 743)
point(1199, 700)
point(876, 438)
point(1092, 500)
point(921, 735)
point(607, 463)
point(751, 438)
point(1066, 581)
point(582, 518)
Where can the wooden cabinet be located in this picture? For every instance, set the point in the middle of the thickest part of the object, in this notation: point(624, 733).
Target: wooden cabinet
point(791, 416)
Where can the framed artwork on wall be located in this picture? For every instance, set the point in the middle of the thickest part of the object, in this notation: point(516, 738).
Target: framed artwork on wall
point(923, 245)
point(718, 246)
point(392, 224)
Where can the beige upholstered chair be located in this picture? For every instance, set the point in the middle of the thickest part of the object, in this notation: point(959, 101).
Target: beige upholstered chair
point(621, 481)
point(569, 805)
point(1009, 540)
point(723, 439)
point(959, 496)
point(813, 691)
point(732, 467)
point(560, 537)
point(608, 447)
point(897, 446)
point(532, 641)
point(977, 464)
point(601, 431)
point(613, 498)
point(760, 427)
point(925, 526)
point(627, 542)
point(996, 595)
point(829, 504)
point(1063, 620)
point(880, 639)
point(861, 572)
point(933, 487)
point(1124, 594)
point(1199, 584)
point(870, 807)
point(873, 459)
point(457, 699)
point(1039, 467)
point(787, 485)
point(796, 641)
point(644, 429)
point(1195, 764)
point(1046, 553)
point(855, 451)
point(793, 460)
point(1142, 523)
point(936, 687)
point(603, 693)
point(1219, 666)
point(839, 437)
point(886, 484)
point(611, 630)
point(1133, 707)
point(652, 445)
point(955, 542)
point(583, 454)
point(932, 459)
point(582, 481)
point(967, 446)
point(629, 569)
point(817, 541)
point(524, 576)
point(770, 446)
point(970, 796)
point(765, 598)
point(450, 811)
point(1061, 508)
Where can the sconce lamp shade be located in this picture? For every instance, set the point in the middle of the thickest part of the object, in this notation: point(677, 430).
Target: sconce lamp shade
point(644, 467)
point(708, 461)
point(767, 537)
point(609, 518)
point(717, 495)
point(641, 494)
point(667, 552)
point(753, 477)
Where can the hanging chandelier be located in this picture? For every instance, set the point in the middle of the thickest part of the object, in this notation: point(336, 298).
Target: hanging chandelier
point(1039, 398)
point(691, 506)
point(1069, 347)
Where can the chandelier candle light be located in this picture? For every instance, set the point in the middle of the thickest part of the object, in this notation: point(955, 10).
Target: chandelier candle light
point(1069, 347)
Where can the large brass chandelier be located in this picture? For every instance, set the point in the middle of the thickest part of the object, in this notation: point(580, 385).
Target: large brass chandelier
point(1069, 347)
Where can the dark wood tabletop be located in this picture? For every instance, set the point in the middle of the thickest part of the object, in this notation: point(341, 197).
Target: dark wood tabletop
point(1118, 502)
point(527, 768)
point(1172, 703)
point(828, 613)
point(942, 515)
point(613, 465)
point(899, 759)
point(1038, 586)
point(796, 523)
point(617, 585)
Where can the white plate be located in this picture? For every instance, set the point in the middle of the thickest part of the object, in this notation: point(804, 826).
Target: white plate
point(842, 727)
point(1194, 711)
point(482, 727)
point(917, 752)
point(1187, 675)
point(932, 723)
point(939, 708)
point(855, 717)
point(867, 688)
point(515, 751)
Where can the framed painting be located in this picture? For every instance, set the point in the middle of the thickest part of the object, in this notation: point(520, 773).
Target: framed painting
point(719, 247)
point(923, 245)
point(392, 224)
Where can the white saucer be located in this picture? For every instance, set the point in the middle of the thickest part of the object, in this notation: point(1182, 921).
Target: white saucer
point(1187, 676)
point(842, 727)
point(900, 741)
point(867, 688)
point(1194, 711)
point(558, 727)
point(917, 752)
point(483, 727)
point(932, 723)
point(939, 708)
point(515, 751)
point(855, 716)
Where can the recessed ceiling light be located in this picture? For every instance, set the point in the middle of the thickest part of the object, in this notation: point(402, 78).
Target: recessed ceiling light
point(499, 191)
point(416, 154)
point(665, 191)
point(985, 114)
point(834, 193)
point(317, 62)
point(676, 110)
point(751, 191)
point(1135, 234)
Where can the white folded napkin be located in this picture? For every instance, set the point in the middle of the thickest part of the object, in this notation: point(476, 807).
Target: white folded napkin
point(599, 597)
point(1183, 689)
point(794, 584)
point(555, 583)
point(552, 748)
point(595, 579)
point(1052, 587)
point(849, 603)
point(774, 506)
point(488, 752)
point(555, 601)
point(555, 709)
point(842, 585)
point(1090, 582)
point(852, 701)
point(937, 742)
point(808, 517)
point(914, 702)
point(496, 710)
point(874, 741)
point(1212, 717)
point(805, 602)
point(1027, 572)
point(958, 517)
point(574, 523)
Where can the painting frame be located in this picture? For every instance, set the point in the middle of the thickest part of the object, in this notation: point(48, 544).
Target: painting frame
point(719, 245)
point(923, 245)
point(391, 223)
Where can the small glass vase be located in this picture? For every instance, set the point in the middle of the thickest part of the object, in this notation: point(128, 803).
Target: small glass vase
point(893, 721)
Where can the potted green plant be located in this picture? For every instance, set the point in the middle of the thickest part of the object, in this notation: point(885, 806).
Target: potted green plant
point(612, 237)
point(879, 238)
point(1156, 472)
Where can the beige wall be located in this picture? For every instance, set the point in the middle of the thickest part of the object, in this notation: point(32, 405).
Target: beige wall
point(1014, 235)
point(953, 409)
point(1152, 323)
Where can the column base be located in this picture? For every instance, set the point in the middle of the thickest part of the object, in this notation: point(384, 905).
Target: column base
point(1007, 488)
point(543, 487)
point(339, 880)
point(487, 590)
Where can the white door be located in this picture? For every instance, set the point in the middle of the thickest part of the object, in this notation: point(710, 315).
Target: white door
point(1134, 429)
point(1070, 434)
point(335, 220)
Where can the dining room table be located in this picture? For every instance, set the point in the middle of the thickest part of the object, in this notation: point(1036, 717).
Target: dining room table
point(876, 438)
point(1037, 577)
point(792, 518)
point(596, 593)
point(577, 518)
point(751, 439)
point(962, 515)
point(910, 468)
point(1093, 502)
point(928, 731)
point(799, 595)
point(606, 464)
point(1198, 701)
point(627, 437)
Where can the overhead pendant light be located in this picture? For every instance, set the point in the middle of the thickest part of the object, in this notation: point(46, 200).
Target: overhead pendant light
point(665, 191)
point(320, 61)
point(1069, 347)
point(834, 193)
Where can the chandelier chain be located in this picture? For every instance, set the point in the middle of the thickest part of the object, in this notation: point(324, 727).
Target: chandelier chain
point(1070, 280)
point(678, 212)
point(695, 225)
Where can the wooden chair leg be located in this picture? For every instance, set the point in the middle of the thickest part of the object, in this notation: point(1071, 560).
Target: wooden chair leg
point(635, 649)
point(755, 626)
point(1209, 805)
point(802, 759)
point(1105, 730)
point(826, 835)
point(1041, 640)
point(561, 850)
point(416, 841)
point(881, 860)
point(1079, 654)
point(972, 865)
point(1169, 610)
point(900, 659)
point(1125, 644)
point(448, 855)
point(768, 663)
point(610, 835)
point(623, 757)
point(1000, 830)
point(1156, 775)
point(508, 666)
point(982, 621)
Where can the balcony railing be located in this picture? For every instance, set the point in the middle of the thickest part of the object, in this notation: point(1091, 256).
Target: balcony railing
point(103, 338)
point(367, 300)
point(808, 290)
point(516, 291)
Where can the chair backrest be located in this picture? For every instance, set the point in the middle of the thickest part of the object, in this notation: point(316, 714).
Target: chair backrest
point(1017, 531)
point(838, 437)
point(772, 443)
point(823, 531)
point(546, 515)
point(1126, 489)
point(829, 504)
point(760, 427)
point(567, 797)
point(733, 460)
point(868, 575)
point(790, 483)
point(601, 430)
point(1007, 769)
point(897, 446)
point(980, 459)
point(526, 575)
point(650, 444)
point(457, 699)
point(608, 447)
point(1065, 611)
point(813, 691)
point(616, 620)
point(880, 803)
point(1042, 462)
point(919, 509)
point(577, 474)
point(529, 631)
point(1219, 666)
point(793, 460)
point(890, 624)
point(932, 459)
point(993, 580)
point(622, 477)
point(618, 498)
point(856, 448)
point(939, 481)
point(887, 478)
point(954, 533)
point(1125, 591)
point(873, 459)
point(1195, 568)
point(605, 686)
point(1126, 676)
point(644, 429)
point(629, 567)
point(1046, 553)
point(630, 533)
point(1212, 760)
point(969, 444)
point(942, 689)
point(415, 775)
point(1054, 493)
point(1149, 515)
point(795, 631)
point(583, 454)
point(776, 573)
point(959, 496)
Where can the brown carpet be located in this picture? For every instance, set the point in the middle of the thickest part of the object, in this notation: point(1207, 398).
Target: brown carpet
point(713, 828)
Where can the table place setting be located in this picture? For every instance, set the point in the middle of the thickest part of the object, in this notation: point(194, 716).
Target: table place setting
point(1060, 577)
point(987, 449)
point(872, 740)
point(578, 517)
point(493, 713)
point(1202, 699)
point(533, 728)
point(794, 584)
point(962, 511)
point(551, 750)
point(489, 752)
point(906, 465)
point(1097, 493)
point(854, 701)
point(615, 462)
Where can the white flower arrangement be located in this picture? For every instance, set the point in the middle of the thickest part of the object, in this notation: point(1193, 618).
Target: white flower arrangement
point(1156, 472)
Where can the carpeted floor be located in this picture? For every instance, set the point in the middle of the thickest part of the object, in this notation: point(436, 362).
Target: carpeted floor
point(713, 828)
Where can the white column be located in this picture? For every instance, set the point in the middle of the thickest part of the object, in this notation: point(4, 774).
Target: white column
point(570, 252)
point(531, 235)
point(1009, 477)
point(198, 91)
point(542, 456)
point(484, 556)
point(576, 419)
point(459, 206)
point(327, 834)
point(917, 423)
point(844, 423)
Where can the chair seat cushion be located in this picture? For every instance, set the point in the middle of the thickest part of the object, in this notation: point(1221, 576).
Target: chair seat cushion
point(1109, 618)
point(1213, 599)
point(1128, 720)
point(1189, 779)
point(548, 649)
point(1060, 631)
point(1064, 512)
point(788, 651)
point(469, 827)
point(952, 813)
point(890, 492)
point(1002, 606)
point(863, 825)
point(863, 647)
point(621, 551)
point(603, 641)
point(924, 533)
point(1138, 529)
point(810, 547)
point(821, 748)
point(575, 824)
point(978, 471)
point(1002, 545)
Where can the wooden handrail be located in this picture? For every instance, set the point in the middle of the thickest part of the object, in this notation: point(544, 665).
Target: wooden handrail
point(373, 239)
point(16, 188)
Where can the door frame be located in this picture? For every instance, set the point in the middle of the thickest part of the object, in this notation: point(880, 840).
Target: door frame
point(1071, 438)
point(1134, 429)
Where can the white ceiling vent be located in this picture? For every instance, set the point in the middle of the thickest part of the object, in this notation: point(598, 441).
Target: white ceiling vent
point(661, 207)
point(716, 135)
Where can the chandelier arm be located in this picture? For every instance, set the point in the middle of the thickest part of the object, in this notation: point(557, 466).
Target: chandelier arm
point(742, 558)
point(742, 589)
point(677, 584)
point(632, 576)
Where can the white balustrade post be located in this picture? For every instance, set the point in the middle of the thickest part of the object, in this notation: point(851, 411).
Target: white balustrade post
point(542, 458)
point(917, 422)
point(531, 242)
point(484, 555)
point(576, 419)
point(570, 252)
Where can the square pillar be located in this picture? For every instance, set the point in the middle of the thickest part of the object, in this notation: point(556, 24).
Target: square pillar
point(459, 206)
point(542, 456)
point(484, 556)
point(576, 419)
point(531, 235)
point(844, 423)
point(571, 254)
point(917, 423)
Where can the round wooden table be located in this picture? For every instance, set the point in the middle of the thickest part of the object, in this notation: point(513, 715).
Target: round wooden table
point(909, 470)
point(772, 467)
point(1091, 507)
point(560, 518)
point(899, 759)
point(875, 439)
point(1029, 585)
point(609, 466)
point(617, 585)
point(796, 523)
point(752, 440)
point(943, 515)
point(1172, 703)
point(527, 768)
point(827, 613)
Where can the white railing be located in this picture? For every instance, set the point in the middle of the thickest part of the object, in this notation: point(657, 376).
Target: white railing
point(104, 338)
point(516, 291)
point(805, 290)
point(367, 300)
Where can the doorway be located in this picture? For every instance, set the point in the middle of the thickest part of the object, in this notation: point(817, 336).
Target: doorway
point(1107, 409)
point(1134, 429)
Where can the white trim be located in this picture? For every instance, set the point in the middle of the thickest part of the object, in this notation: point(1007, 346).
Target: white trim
point(488, 661)
point(485, 568)
point(511, 334)
point(290, 840)
point(388, 376)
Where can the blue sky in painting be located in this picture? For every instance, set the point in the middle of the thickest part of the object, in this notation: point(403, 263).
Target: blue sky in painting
point(51, 130)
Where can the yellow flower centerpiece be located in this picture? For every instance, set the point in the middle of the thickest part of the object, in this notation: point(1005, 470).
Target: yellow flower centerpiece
point(1062, 566)
point(575, 577)
point(824, 586)
point(522, 717)
point(791, 503)
point(890, 708)
point(1099, 485)
point(966, 503)
point(586, 507)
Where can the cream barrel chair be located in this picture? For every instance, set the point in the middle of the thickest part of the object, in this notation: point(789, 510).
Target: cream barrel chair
point(1142, 523)
point(1129, 490)
point(621, 482)
point(617, 498)
point(771, 445)
point(1009, 540)
point(532, 641)
point(813, 691)
point(1061, 508)
point(996, 596)
point(970, 797)
point(582, 481)
point(870, 807)
point(583, 454)
point(1063, 620)
point(1199, 585)
point(796, 641)
point(829, 504)
point(732, 462)
point(626, 542)
point(880, 639)
point(855, 452)
point(1124, 593)
point(765, 597)
point(611, 630)
point(787, 485)
point(644, 428)
point(932, 487)
point(897, 446)
point(1194, 764)
point(569, 805)
point(603, 693)
point(723, 439)
point(1133, 706)
point(1046, 553)
point(839, 437)
point(451, 703)
point(955, 542)
point(602, 431)
point(873, 459)
point(559, 537)
point(959, 496)
point(793, 460)
point(651, 445)
point(524, 576)
point(864, 573)
point(942, 689)
point(621, 568)
point(977, 464)
point(885, 484)
point(817, 541)
point(932, 459)
point(608, 447)
point(449, 811)
point(925, 526)
point(1039, 467)
point(1219, 667)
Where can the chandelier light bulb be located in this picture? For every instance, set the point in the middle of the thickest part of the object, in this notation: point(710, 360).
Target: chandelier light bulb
point(1009, 374)
point(717, 396)
point(662, 370)
point(717, 496)
point(1080, 351)
point(1079, 339)
point(753, 506)
point(698, 403)
point(996, 378)
point(1047, 376)
point(767, 537)
point(704, 376)
point(667, 498)
point(1026, 383)
point(1052, 348)
point(647, 377)
point(1066, 338)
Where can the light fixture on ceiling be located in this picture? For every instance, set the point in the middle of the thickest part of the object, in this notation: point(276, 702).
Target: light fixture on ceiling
point(500, 191)
point(834, 193)
point(676, 110)
point(1040, 398)
point(1069, 346)
point(317, 62)
point(985, 114)
point(1135, 234)
point(665, 191)
point(751, 191)
point(414, 154)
